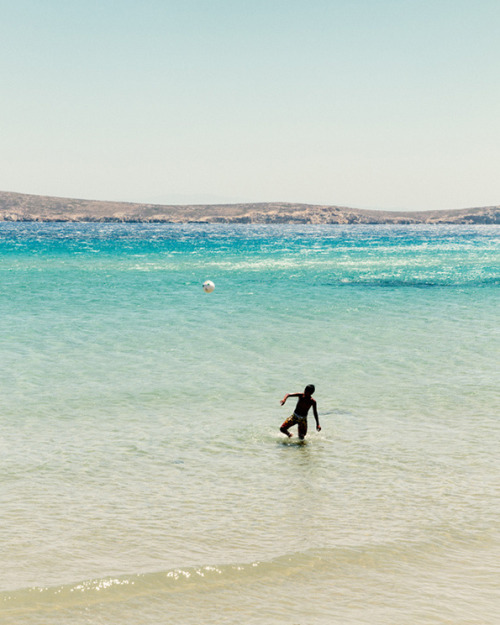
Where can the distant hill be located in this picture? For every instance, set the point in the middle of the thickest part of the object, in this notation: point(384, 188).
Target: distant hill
point(24, 207)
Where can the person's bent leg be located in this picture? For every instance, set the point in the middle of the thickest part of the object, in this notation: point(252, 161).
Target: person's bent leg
point(286, 426)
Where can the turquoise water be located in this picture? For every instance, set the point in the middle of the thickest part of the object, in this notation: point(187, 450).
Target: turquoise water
point(144, 479)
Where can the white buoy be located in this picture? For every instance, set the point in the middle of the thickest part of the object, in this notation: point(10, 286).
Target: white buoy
point(208, 286)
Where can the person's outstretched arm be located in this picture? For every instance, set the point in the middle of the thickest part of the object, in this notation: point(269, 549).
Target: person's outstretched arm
point(289, 395)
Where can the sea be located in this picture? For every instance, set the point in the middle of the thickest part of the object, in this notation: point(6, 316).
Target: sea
point(144, 479)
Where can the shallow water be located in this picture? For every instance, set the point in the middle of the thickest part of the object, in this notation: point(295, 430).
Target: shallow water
point(144, 479)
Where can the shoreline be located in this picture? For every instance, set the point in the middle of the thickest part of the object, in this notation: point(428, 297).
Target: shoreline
point(20, 207)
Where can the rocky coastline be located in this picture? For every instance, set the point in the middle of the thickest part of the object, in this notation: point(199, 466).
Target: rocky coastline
point(25, 207)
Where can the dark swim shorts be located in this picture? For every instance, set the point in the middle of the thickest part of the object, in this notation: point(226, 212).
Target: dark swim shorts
point(293, 419)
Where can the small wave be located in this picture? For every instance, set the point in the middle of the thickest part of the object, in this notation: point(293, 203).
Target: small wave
point(397, 283)
point(121, 588)
point(332, 562)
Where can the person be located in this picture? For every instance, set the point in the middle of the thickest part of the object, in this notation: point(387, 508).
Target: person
point(299, 416)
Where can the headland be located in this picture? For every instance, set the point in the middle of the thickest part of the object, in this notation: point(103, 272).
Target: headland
point(25, 207)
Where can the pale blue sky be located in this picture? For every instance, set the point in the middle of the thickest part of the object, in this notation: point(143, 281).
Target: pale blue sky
point(389, 104)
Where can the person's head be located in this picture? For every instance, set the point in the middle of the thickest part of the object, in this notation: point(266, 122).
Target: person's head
point(309, 390)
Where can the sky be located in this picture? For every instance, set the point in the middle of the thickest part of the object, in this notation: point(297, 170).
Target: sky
point(384, 104)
